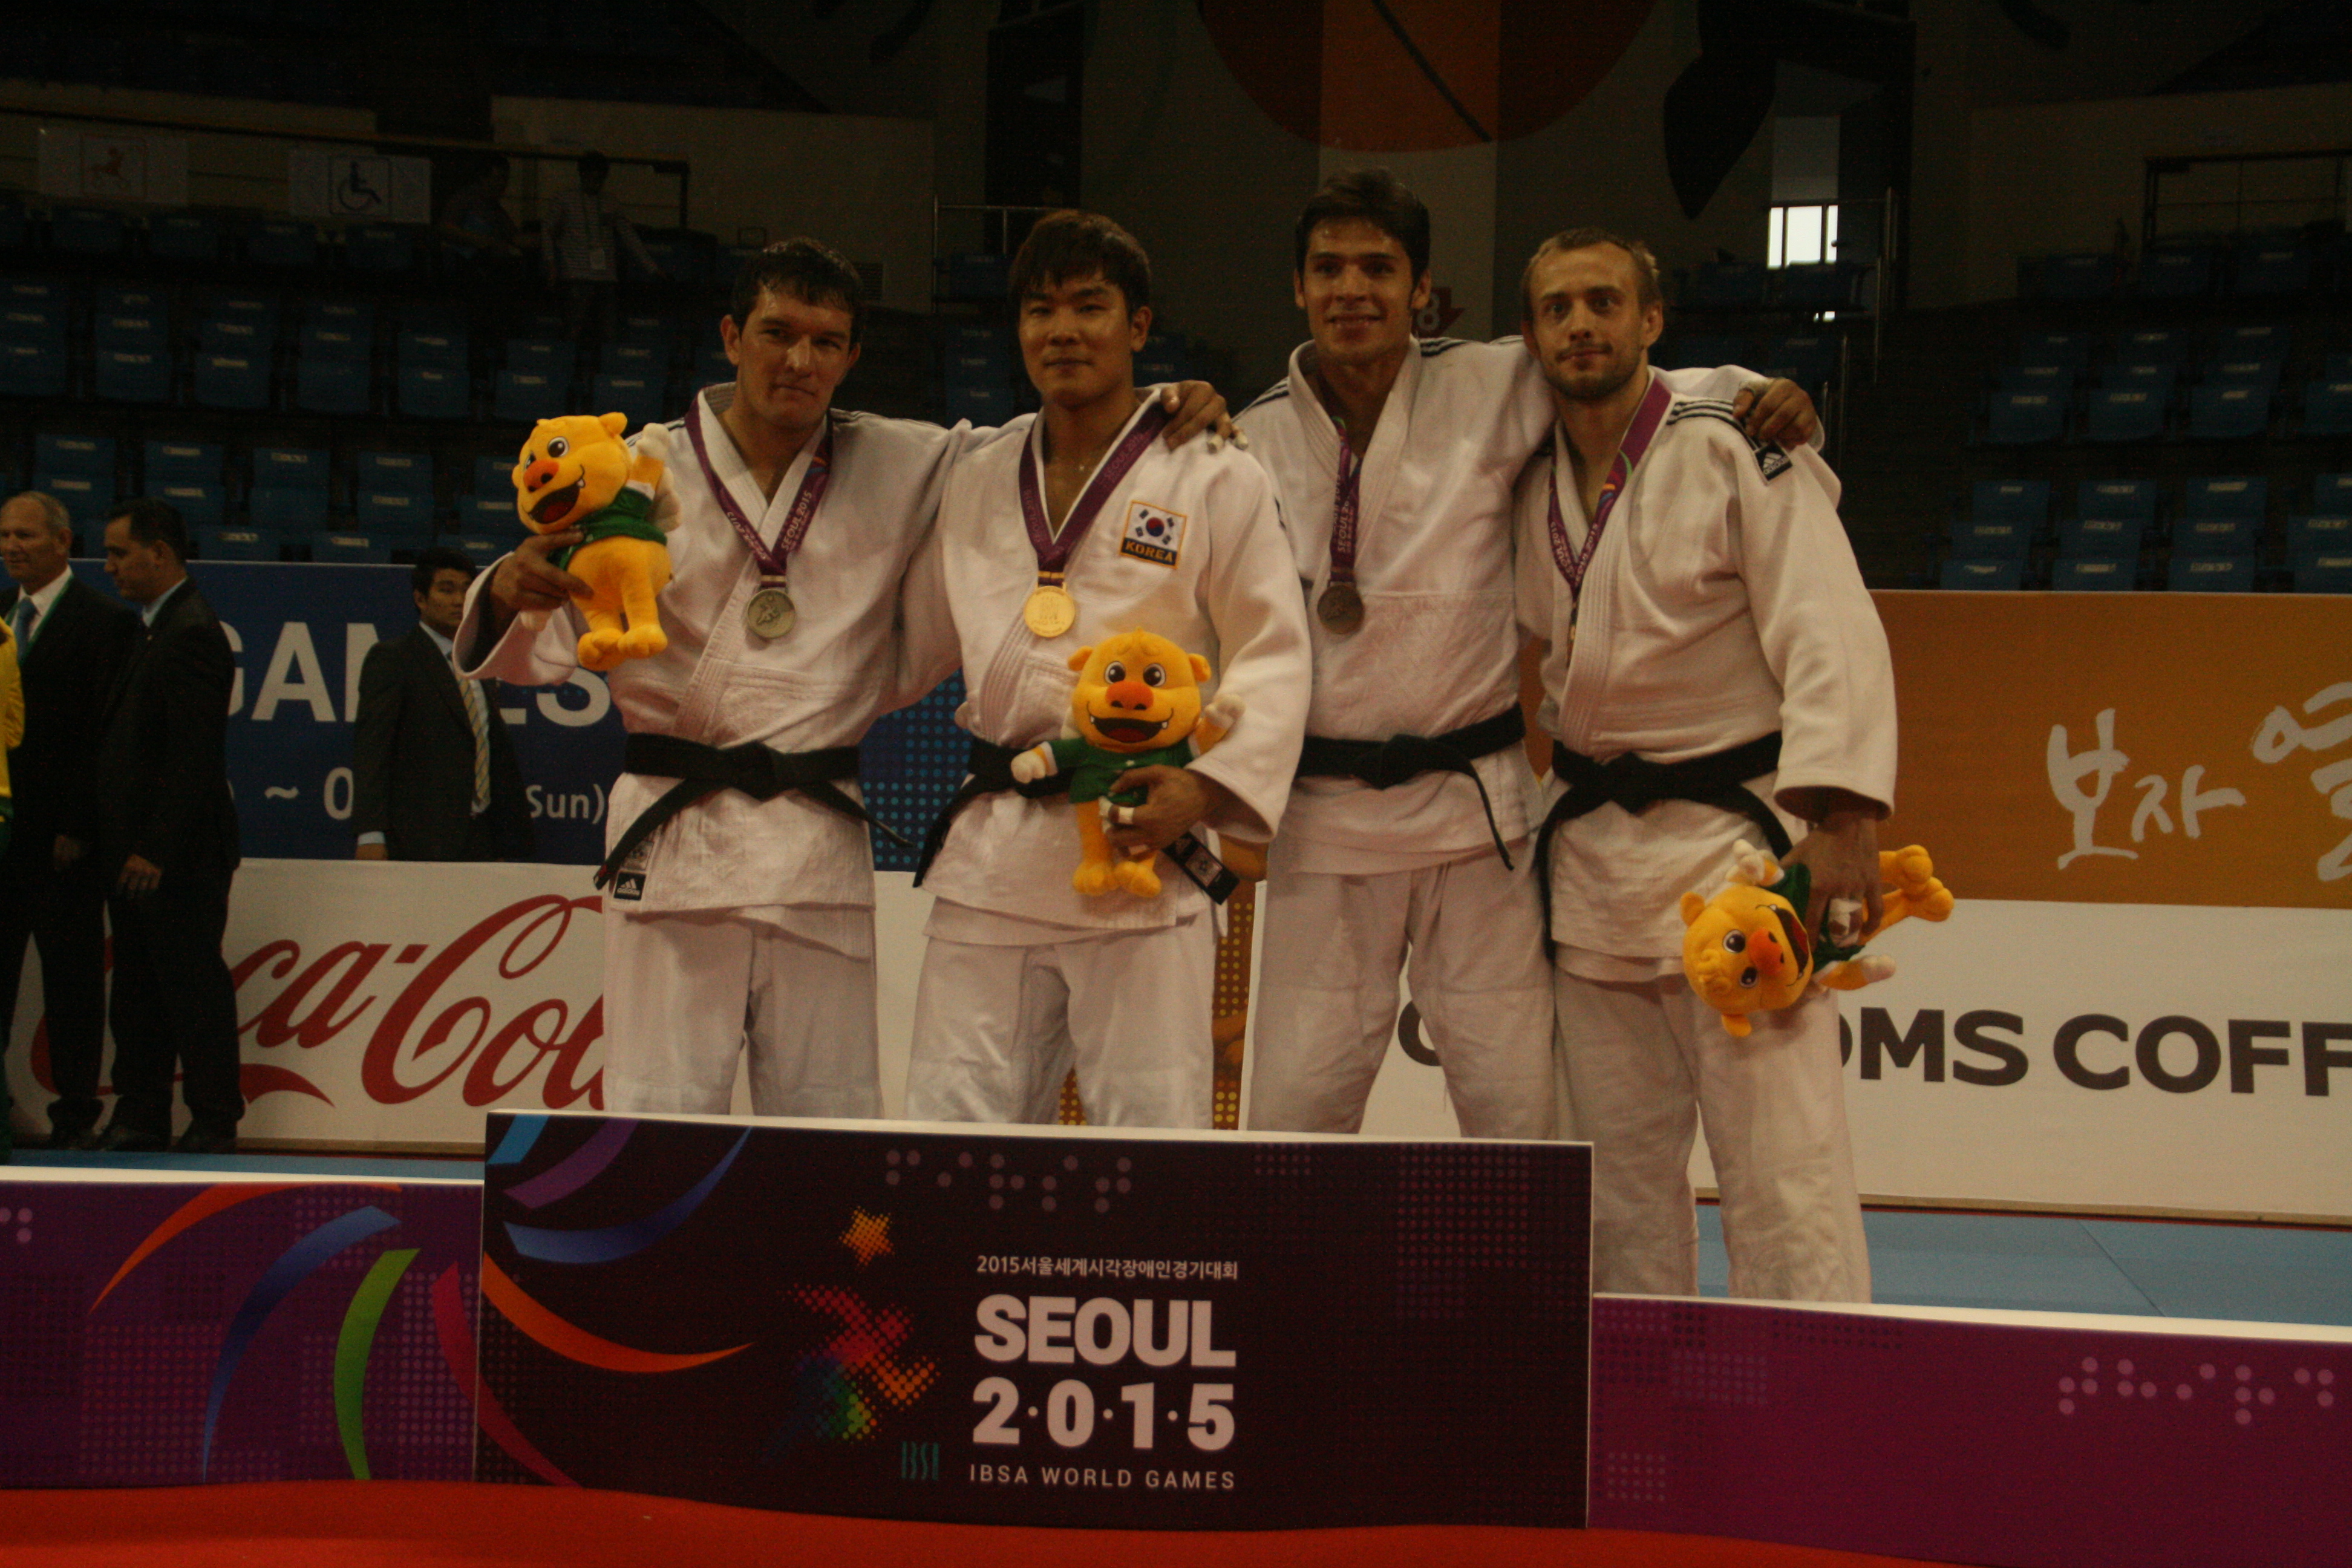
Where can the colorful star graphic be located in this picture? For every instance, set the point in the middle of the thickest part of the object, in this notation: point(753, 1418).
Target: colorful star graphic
point(868, 1235)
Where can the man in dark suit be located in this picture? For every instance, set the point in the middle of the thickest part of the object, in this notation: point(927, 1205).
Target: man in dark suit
point(434, 774)
point(167, 848)
point(71, 644)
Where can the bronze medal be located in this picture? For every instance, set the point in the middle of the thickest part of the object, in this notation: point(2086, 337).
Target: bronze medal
point(769, 615)
point(1340, 609)
point(1050, 611)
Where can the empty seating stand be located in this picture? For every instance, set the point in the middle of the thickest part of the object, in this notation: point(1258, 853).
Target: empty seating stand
point(2094, 574)
point(1999, 574)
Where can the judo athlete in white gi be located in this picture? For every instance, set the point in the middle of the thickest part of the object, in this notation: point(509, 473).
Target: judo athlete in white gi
point(1045, 545)
point(743, 921)
point(1408, 829)
point(1715, 671)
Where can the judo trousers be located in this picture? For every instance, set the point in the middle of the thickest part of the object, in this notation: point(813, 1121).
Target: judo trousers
point(688, 996)
point(1468, 936)
point(1647, 1063)
point(997, 1028)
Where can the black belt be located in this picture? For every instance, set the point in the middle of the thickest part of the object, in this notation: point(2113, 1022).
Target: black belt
point(756, 770)
point(1637, 783)
point(1384, 764)
point(990, 767)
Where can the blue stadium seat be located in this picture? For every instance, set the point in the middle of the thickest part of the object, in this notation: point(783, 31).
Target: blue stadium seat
point(137, 333)
point(489, 512)
point(256, 337)
point(2169, 274)
point(2003, 574)
point(2015, 418)
point(406, 473)
point(2327, 408)
point(2101, 538)
point(2332, 492)
point(294, 467)
point(383, 248)
point(2057, 379)
point(493, 473)
point(641, 360)
point(2143, 375)
point(2150, 345)
point(185, 237)
point(126, 376)
point(433, 392)
point(2123, 415)
point(2260, 370)
point(57, 452)
point(2328, 573)
point(2226, 412)
point(2015, 501)
point(186, 462)
point(86, 231)
point(2133, 498)
point(642, 400)
point(33, 370)
point(2319, 533)
point(281, 242)
point(2056, 348)
point(349, 547)
point(2211, 573)
point(239, 380)
point(86, 496)
point(332, 386)
point(526, 397)
point(295, 509)
point(482, 549)
point(2226, 495)
point(238, 544)
point(433, 346)
point(2207, 536)
point(336, 339)
point(2249, 340)
point(539, 356)
point(199, 505)
point(2262, 271)
point(33, 320)
point(2095, 575)
point(1997, 538)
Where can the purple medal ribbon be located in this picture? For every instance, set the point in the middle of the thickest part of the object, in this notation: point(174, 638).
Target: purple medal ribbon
point(1344, 498)
point(1638, 434)
point(773, 563)
point(1054, 550)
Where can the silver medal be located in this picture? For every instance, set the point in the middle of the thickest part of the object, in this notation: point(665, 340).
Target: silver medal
point(769, 615)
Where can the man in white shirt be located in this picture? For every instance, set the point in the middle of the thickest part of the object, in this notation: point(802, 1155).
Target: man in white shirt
point(1715, 671)
point(1069, 527)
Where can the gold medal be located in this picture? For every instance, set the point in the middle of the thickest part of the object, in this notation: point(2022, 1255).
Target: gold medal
point(1050, 611)
point(769, 615)
point(1340, 609)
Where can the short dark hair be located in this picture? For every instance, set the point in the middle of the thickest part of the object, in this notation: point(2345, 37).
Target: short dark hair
point(1374, 196)
point(432, 561)
point(1645, 265)
point(810, 271)
point(1069, 245)
point(153, 521)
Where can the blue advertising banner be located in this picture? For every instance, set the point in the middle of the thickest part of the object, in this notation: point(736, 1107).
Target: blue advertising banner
point(1109, 1330)
point(300, 633)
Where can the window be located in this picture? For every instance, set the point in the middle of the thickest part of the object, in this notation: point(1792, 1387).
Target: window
point(1801, 234)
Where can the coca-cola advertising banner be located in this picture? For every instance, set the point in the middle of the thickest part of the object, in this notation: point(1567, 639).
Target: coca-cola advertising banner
point(1127, 1331)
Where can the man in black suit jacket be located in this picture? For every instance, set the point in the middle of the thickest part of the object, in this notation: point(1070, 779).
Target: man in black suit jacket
point(71, 644)
point(167, 848)
point(434, 774)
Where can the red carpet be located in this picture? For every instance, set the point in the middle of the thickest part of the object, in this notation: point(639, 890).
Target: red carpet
point(417, 1524)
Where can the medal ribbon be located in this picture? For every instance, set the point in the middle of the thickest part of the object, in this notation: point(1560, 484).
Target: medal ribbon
point(1345, 495)
point(1054, 550)
point(773, 563)
point(1638, 434)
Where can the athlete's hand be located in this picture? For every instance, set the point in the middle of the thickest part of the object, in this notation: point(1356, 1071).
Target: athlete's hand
point(1176, 799)
point(1778, 411)
point(1842, 851)
point(1194, 406)
point(140, 875)
point(527, 580)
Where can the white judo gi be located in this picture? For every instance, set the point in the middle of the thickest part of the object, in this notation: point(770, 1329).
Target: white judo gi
point(1722, 603)
point(1360, 876)
point(752, 923)
point(1023, 973)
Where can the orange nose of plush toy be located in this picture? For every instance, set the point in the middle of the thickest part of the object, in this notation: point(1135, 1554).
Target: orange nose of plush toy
point(1132, 695)
point(1765, 952)
point(540, 473)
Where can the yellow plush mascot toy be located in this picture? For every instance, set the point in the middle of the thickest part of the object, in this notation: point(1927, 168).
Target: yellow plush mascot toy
point(576, 472)
point(1747, 951)
point(1137, 705)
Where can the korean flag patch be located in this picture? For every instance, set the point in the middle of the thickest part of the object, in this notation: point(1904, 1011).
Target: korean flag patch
point(1154, 533)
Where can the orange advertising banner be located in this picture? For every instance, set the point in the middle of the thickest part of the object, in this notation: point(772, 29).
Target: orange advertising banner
point(2127, 748)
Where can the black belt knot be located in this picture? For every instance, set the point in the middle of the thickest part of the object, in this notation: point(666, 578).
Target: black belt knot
point(1384, 764)
point(1636, 783)
point(758, 771)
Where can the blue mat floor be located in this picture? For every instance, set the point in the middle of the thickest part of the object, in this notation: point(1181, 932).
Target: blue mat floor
point(2023, 1262)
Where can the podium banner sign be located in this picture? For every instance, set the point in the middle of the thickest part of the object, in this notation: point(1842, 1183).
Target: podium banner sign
point(1110, 1331)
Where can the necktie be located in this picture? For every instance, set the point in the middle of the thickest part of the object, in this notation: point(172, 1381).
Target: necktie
point(22, 625)
point(477, 715)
